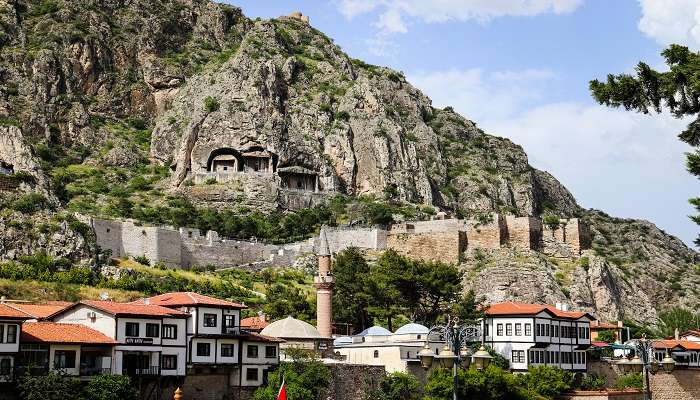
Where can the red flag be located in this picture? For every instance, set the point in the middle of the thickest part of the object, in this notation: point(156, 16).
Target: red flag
point(282, 395)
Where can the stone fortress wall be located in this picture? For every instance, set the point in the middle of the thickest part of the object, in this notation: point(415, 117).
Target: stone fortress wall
point(445, 240)
point(187, 247)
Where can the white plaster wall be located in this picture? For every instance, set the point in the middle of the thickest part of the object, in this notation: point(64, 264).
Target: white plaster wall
point(181, 353)
point(211, 358)
point(506, 348)
point(79, 315)
point(261, 359)
point(216, 330)
point(227, 360)
point(121, 329)
point(9, 347)
point(181, 339)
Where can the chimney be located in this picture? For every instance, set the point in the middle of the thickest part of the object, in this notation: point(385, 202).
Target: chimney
point(620, 324)
point(676, 334)
point(558, 306)
point(147, 301)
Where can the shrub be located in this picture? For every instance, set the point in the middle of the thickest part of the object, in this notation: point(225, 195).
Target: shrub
point(143, 260)
point(305, 377)
point(210, 181)
point(592, 382)
point(398, 386)
point(30, 203)
point(53, 386)
point(211, 104)
point(552, 221)
point(607, 336)
point(111, 387)
point(546, 381)
point(631, 381)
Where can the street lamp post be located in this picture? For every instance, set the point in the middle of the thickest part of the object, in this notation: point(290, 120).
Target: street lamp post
point(644, 361)
point(456, 351)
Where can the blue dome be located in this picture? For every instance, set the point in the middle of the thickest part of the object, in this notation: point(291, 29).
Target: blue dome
point(375, 331)
point(412, 329)
point(342, 341)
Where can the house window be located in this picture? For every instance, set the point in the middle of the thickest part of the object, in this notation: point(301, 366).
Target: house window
point(203, 349)
point(528, 330)
point(64, 359)
point(499, 329)
point(509, 329)
point(152, 330)
point(376, 354)
point(419, 337)
point(518, 356)
point(210, 320)
point(169, 361)
point(229, 321)
point(5, 366)
point(2, 333)
point(556, 331)
point(518, 329)
point(252, 351)
point(227, 350)
point(486, 329)
point(169, 331)
point(132, 329)
point(11, 333)
point(251, 374)
point(270, 351)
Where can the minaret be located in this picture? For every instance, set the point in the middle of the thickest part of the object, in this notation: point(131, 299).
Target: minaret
point(323, 282)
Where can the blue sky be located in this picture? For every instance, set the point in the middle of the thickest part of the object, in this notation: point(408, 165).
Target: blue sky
point(520, 69)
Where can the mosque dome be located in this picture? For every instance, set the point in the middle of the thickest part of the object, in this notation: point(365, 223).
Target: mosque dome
point(341, 341)
point(375, 331)
point(412, 329)
point(291, 328)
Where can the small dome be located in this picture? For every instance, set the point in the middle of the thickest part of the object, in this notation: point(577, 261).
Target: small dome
point(412, 329)
point(343, 340)
point(375, 331)
point(291, 328)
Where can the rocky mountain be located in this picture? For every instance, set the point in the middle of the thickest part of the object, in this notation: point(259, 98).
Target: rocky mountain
point(111, 105)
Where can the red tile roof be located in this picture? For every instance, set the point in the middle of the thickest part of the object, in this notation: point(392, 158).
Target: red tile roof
point(254, 323)
point(603, 325)
point(693, 332)
point(133, 309)
point(518, 308)
point(43, 310)
point(669, 344)
point(51, 332)
point(7, 312)
point(178, 299)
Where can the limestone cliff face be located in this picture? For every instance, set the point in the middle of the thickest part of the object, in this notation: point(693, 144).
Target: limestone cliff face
point(210, 82)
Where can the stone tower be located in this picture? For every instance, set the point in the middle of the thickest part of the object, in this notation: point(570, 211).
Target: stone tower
point(323, 282)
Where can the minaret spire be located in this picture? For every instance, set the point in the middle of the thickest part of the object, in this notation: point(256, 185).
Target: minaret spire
point(324, 282)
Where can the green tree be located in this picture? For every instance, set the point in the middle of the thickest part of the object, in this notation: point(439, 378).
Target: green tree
point(53, 386)
point(607, 336)
point(350, 296)
point(546, 381)
point(306, 377)
point(469, 308)
point(284, 300)
point(491, 384)
point(677, 90)
point(110, 387)
point(678, 318)
point(398, 386)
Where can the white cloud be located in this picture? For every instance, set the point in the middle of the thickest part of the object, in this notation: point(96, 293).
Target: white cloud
point(628, 164)
point(671, 21)
point(438, 11)
point(395, 16)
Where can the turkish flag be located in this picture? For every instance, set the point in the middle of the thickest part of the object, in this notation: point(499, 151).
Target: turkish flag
point(282, 395)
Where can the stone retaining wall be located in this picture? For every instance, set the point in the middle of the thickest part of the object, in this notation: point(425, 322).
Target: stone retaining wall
point(681, 385)
point(445, 246)
point(352, 382)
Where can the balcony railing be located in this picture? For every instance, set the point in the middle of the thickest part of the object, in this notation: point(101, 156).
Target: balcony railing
point(146, 371)
point(95, 371)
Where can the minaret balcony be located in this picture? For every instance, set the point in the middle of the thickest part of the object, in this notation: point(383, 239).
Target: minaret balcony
point(321, 279)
